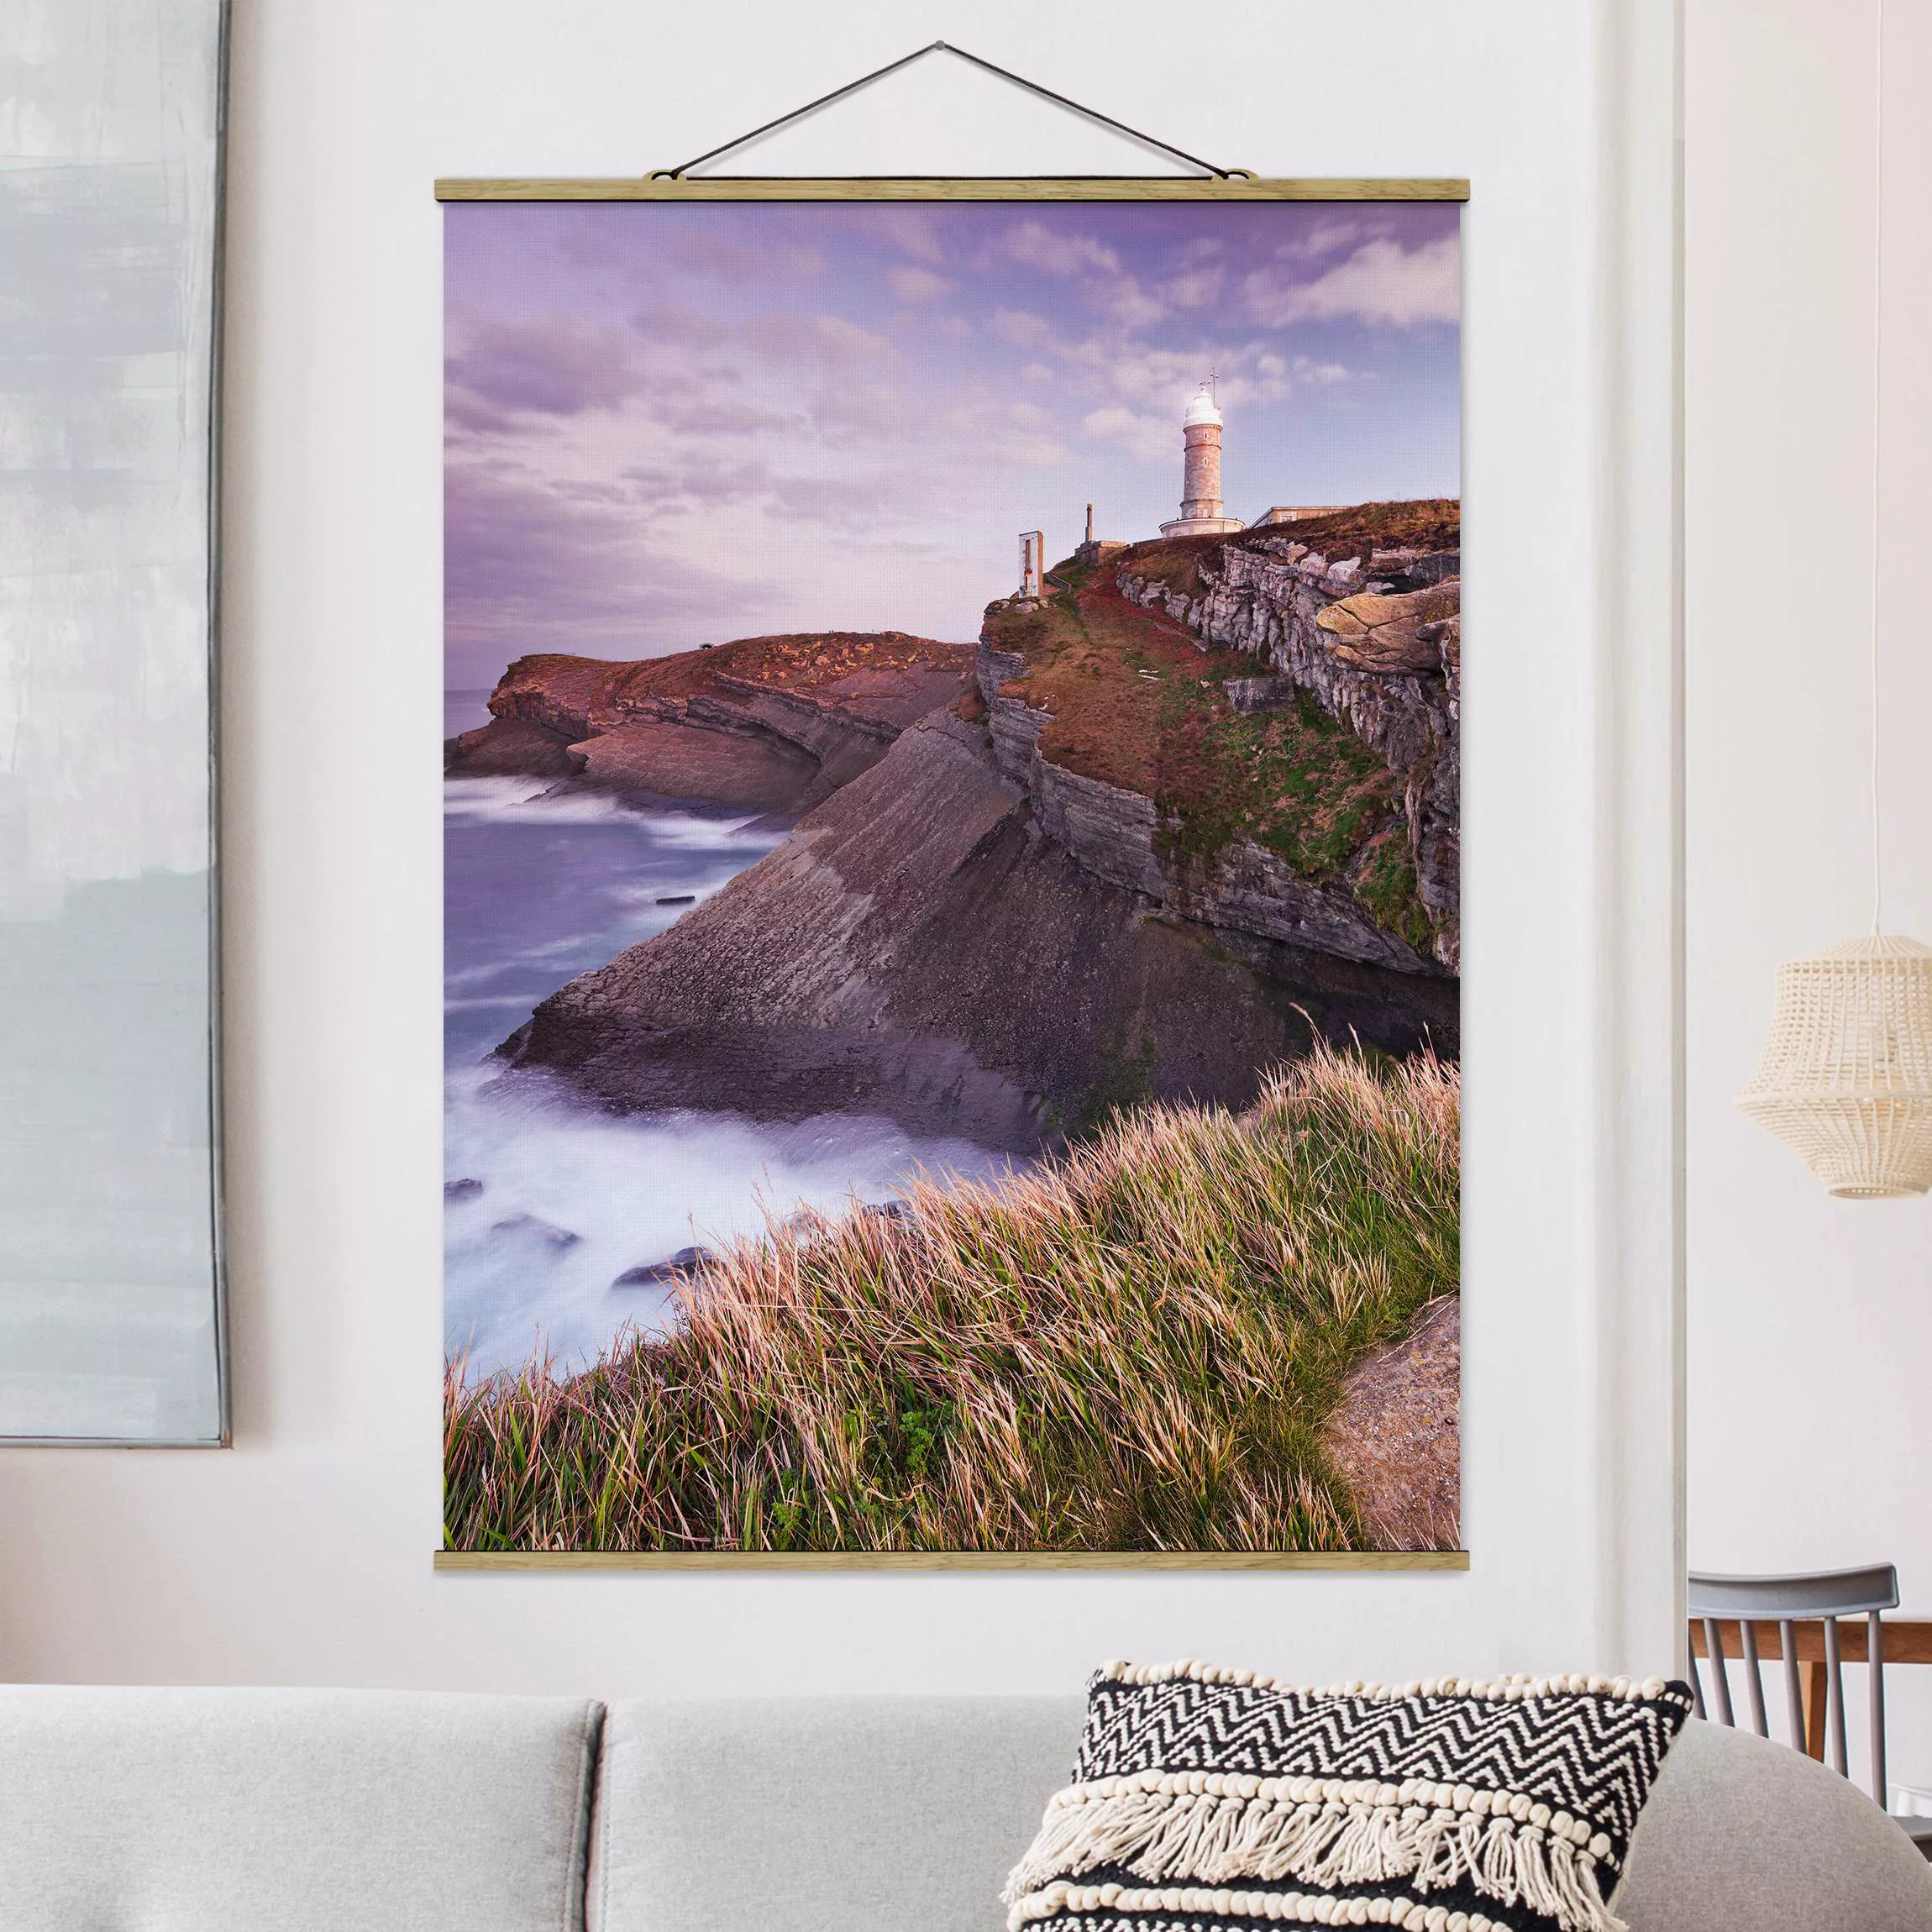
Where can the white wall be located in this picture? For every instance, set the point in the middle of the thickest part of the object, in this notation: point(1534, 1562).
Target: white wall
point(1809, 1320)
point(303, 1554)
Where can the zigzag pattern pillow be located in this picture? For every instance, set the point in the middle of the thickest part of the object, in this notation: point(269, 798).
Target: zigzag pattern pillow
point(1208, 1800)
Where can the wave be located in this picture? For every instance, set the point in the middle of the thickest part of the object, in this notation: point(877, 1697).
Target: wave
point(478, 802)
point(548, 1201)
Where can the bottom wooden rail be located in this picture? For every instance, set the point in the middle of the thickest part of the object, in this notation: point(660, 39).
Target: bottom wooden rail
point(952, 1560)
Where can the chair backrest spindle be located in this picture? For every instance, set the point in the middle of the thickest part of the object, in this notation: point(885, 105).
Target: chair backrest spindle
point(1789, 1601)
point(1720, 1677)
point(1754, 1679)
point(1793, 1684)
point(1875, 1656)
point(1834, 1699)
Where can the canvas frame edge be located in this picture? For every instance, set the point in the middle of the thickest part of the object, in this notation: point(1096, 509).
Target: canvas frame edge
point(949, 188)
point(1240, 187)
point(223, 1434)
point(608, 1560)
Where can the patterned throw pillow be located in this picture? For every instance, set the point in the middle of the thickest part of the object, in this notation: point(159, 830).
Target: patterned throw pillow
point(1209, 1800)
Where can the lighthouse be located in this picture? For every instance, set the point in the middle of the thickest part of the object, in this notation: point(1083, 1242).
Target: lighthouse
point(1201, 506)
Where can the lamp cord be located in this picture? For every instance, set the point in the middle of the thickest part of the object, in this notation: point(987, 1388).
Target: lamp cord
point(946, 47)
point(1878, 433)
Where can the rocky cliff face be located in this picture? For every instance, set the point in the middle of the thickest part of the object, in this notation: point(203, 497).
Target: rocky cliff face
point(925, 945)
point(999, 918)
point(773, 724)
point(1376, 640)
point(1118, 835)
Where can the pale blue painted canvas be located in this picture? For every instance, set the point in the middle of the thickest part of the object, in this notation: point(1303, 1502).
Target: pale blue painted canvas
point(110, 1324)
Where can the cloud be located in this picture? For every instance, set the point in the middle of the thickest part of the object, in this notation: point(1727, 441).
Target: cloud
point(1104, 283)
point(1147, 438)
point(1021, 328)
point(1036, 246)
point(733, 262)
point(531, 564)
point(1125, 303)
point(1193, 287)
point(1163, 379)
point(1026, 452)
point(852, 412)
point(787, 338)
point(698, 408)
point(553, 367)
point(703, 475)
point(828, 340)
point(916, 285)
point(912, 230)
point(1326, 238)
point(859, 504)
point(1381, 283)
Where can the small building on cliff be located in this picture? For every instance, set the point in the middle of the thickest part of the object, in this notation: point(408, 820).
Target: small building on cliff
point(1294, 513)
point(1097, 549)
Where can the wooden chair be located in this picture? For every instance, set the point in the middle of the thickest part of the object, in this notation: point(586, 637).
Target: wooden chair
point(1745, 1607)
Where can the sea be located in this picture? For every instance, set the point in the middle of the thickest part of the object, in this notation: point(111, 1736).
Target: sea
point(549, 1201)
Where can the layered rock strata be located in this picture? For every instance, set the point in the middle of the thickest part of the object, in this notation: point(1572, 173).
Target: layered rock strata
point(693, 727)
point(1376, 639)
point(1118, 835)
point(935, 943)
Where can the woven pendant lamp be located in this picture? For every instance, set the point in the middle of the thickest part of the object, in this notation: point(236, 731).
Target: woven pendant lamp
point(1846, 1075)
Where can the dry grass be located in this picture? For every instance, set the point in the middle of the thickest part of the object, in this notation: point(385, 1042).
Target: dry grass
point(1427, 523)
point(598, 692)
point(1134, 1348)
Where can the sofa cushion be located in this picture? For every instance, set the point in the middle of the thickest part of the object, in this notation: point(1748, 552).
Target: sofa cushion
point(305, 1811)
point(1209, 1793)
point(807, 1814)
point(873, 1815)
point(1743, 1832)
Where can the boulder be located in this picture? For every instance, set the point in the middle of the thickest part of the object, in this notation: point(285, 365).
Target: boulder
point(1250, 695)
point(759, 772)
point(534, 1228)
point(1396, 1437)
point(1385, 634)
point(654, 1273)
point(507, 748)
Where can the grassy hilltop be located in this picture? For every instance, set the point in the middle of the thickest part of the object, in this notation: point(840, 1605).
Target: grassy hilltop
point(1137, 702)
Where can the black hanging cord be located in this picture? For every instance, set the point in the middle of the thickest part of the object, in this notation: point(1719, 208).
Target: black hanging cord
point(946, 47)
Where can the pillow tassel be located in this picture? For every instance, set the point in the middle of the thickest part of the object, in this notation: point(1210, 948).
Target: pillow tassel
point(1498, 1877)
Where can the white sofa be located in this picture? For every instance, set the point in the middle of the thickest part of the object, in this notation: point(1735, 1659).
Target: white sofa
point(350, 1811)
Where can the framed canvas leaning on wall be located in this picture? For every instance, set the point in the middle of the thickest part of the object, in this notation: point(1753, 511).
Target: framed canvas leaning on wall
point(112, 1299)
point(951, 843)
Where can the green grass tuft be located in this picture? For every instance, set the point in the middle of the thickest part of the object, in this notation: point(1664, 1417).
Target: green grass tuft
point(1134, 1348)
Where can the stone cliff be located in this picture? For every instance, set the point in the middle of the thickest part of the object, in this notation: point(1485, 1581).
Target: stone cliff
point(1372, 630)
point(1192, 808)
point(773, 724)
point(1120, 835)
point(923, 947)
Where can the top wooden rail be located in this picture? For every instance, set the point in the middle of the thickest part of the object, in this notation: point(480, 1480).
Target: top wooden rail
point(949, 188)
point(1905, 1641)
point(1908, 1640)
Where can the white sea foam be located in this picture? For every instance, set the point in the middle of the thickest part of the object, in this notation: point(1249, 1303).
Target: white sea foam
point(561, 1198)
point(529, 801)
point(570, 1198)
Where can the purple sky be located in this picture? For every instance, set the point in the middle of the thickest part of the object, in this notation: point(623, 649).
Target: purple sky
point(674, 424)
